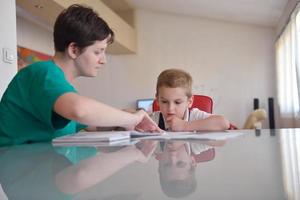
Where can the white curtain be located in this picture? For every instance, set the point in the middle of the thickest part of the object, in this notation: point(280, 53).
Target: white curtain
point(288, 72)
point(290, 154)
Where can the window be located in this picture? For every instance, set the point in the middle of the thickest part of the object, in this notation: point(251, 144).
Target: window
point(145, 104)
point(288, 72)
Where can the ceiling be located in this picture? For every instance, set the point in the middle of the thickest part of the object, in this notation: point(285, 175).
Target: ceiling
point(257, 12)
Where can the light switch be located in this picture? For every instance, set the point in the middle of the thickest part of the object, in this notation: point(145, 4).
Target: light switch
point(8, 55)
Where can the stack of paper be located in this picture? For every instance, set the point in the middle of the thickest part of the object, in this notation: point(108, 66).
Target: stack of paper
point(93, 137)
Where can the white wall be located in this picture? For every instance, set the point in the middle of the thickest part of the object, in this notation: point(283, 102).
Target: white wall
point(34, 37)
point(7, 40)
point(284, 18)
point(233, 63)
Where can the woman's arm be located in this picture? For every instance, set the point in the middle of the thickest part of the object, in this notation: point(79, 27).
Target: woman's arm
point(94, 113)
point(91, 171)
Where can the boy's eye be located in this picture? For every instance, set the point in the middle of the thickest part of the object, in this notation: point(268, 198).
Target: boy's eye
point(178, 102)
point(164, 101)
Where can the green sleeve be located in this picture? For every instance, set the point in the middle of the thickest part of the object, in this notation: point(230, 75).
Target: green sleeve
point(79, 127)
point(44, 91)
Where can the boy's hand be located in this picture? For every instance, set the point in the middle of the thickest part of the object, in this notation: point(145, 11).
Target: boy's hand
point(176, 124)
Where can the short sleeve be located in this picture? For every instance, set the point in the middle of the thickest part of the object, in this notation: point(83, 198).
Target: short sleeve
point(45, 88)
point(196, 114)
point(79, 127)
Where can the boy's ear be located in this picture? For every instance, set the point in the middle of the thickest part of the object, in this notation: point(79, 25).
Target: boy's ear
point(190, 101)
point(73, 50)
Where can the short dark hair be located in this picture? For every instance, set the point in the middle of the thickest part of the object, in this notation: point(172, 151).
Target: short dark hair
point(81, 25)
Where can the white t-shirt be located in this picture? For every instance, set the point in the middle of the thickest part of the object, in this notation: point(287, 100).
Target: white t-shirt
point(190, 115)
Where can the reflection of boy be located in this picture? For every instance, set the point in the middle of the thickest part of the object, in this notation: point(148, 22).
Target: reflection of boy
point(178, 160)
point(177, 163)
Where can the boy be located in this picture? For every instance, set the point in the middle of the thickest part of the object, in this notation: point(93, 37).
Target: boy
point(178, 160)
point(174, 97)
point(41, 103)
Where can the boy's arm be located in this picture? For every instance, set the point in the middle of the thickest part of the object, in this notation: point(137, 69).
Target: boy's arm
point(211, 123)
point(94, 113)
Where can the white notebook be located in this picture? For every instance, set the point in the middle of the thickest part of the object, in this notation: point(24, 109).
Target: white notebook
point(92, 137)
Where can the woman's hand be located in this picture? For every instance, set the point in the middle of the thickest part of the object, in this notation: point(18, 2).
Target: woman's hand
point(145, 123)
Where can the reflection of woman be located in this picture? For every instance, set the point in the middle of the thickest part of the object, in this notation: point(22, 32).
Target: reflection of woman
point(26, 172)
point(177, 163)
point(97, 168)
point(39, 172)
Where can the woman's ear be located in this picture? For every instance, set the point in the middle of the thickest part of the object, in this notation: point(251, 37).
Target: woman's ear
point(190, 101)
point(73, 50)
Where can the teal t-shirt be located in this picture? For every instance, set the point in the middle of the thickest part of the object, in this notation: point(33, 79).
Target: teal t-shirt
point(26, 107)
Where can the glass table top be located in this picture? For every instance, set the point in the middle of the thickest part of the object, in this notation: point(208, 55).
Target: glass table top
point(259, 165)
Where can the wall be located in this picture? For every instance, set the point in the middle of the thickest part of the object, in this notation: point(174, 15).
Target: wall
point(34, 37)
point(7, 40)
point(233, 63)
point(284, 18)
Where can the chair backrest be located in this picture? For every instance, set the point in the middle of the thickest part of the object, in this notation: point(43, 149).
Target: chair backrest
point(202, 102)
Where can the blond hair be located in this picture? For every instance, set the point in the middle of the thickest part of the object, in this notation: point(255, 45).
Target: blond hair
point(174, 78)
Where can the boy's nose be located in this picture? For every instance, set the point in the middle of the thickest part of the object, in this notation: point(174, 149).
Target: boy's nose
point(171, 107)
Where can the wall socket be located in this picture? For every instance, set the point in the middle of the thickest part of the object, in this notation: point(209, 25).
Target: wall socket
point(8, 55)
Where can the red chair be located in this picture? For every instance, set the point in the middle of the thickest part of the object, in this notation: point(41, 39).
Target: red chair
point(202, 102)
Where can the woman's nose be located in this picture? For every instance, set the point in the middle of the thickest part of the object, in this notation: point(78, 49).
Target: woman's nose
point(102, 60)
